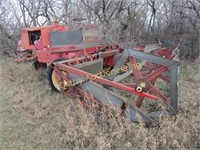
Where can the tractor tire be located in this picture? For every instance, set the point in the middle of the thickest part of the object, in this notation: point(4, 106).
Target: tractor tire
point(53, 82)
point(39, 65)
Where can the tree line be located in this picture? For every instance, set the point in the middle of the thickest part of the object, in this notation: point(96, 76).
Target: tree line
point(124, 21)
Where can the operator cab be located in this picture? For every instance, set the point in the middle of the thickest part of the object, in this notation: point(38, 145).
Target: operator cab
point(34, 36)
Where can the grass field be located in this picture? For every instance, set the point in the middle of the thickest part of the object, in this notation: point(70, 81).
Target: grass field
point(34, 117)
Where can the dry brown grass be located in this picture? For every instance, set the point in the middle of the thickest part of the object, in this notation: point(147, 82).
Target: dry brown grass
point(33, 117)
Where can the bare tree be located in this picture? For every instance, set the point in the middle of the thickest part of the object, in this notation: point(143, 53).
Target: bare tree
point(119, 20)
point(152, 19)
point(189, 14)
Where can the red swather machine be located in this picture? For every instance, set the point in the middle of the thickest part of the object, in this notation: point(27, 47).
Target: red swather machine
point(145, 75)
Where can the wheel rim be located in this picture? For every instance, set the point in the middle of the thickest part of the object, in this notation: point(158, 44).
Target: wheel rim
point(55, 80)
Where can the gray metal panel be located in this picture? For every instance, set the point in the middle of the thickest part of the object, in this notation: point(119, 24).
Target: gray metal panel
point(93, 67)
point(59, 38)
point(98, 92)
point(90, 33)
point(123, 76)
point(88, 45)
point(116, 58)
point(119, 63)
point(151, 47)
point(173, 72)
point(110, 98)
point(137, 115)
point(149, 57)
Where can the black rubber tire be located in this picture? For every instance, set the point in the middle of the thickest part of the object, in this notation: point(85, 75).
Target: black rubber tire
point(50, 70)
point(39, 65)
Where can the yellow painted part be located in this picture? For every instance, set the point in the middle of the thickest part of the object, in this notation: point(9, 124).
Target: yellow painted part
point(90, 40)
point(139, 89)
point(56, 82)
point(143, 84)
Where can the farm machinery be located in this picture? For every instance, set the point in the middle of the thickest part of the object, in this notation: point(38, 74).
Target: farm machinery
point(45, 44)
point(140, 82)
